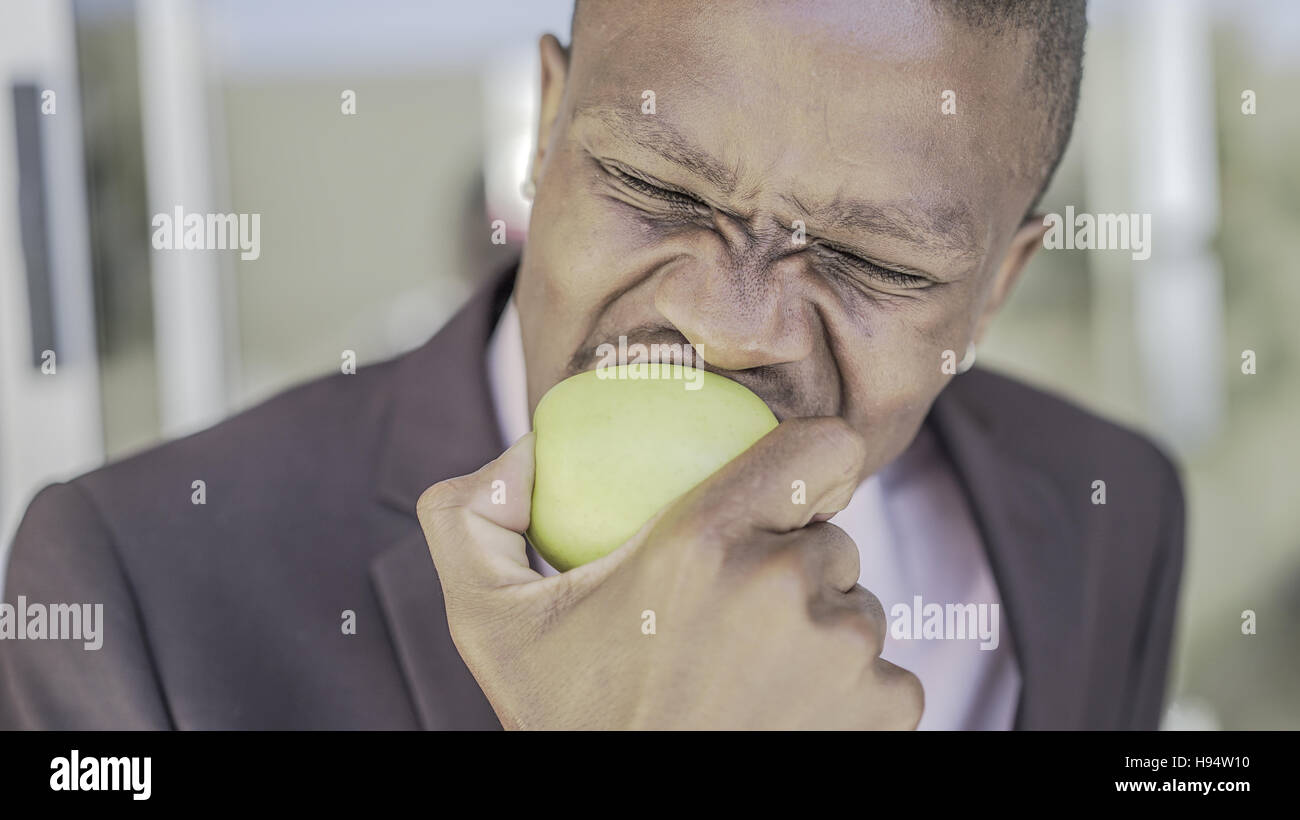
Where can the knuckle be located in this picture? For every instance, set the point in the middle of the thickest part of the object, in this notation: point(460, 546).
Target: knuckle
point(832, 537)
point(913, 695)
point(838, 548)
point(868, 619)
point(437, 497)
point(873, 611)
point(906, 695)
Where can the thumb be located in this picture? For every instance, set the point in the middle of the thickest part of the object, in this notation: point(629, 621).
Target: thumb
point(474, 524)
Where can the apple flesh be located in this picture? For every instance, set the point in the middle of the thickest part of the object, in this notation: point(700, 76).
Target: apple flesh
point(614, 447)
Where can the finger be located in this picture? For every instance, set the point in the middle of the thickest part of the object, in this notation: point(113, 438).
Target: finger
point(803, 468)
point(904, 695)
point(474, 524)
point(831, 555)
point(857, 609)
point(502, 490)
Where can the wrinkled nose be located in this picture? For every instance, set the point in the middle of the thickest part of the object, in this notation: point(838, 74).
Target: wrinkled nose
point(739, 316)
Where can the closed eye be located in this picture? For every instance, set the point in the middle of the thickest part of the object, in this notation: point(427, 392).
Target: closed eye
point(680, 200)
point(652, 190)
point(898, 278)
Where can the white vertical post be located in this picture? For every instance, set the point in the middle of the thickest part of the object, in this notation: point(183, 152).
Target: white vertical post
point(1179, 297)
point(187, 294)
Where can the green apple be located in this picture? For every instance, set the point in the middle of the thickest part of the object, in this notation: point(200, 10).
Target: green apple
point(615, 446)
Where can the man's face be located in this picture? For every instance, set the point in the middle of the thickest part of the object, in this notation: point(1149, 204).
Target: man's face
point(677, 225)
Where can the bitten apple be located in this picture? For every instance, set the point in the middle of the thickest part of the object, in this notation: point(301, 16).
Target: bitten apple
point(613, 447)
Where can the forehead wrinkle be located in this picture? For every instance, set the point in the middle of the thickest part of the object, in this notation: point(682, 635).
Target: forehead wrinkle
point(947, 225)
point(655, 134)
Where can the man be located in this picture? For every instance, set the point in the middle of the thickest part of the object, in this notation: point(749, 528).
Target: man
point(778, 184)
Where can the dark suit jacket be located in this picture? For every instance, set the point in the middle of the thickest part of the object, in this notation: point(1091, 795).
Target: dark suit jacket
point(228, 614)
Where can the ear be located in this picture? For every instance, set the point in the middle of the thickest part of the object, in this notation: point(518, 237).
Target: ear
point(1028, 238)
point(555, 72)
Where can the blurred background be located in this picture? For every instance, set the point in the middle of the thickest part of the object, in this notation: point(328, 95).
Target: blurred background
point(376, 226)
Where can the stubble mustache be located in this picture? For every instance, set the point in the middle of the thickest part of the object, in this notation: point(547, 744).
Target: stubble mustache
point(776, 385)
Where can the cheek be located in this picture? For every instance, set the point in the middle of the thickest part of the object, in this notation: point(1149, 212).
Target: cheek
point(892, 376)
point(890, 408)
point(578, 245)
point(581, 252)
point(899, 381)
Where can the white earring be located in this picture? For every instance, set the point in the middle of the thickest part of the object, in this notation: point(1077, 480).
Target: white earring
point(528, 190)
point(967, 361)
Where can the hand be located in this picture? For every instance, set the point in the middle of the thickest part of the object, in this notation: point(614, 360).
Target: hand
point(759, 620)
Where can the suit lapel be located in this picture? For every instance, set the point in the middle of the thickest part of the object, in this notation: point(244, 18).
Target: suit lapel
point(1034, 553)
point(445, 694)
point(440, 425)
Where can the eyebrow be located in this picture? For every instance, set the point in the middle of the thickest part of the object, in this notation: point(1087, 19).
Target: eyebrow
point(946, 225)
point(656, 135)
